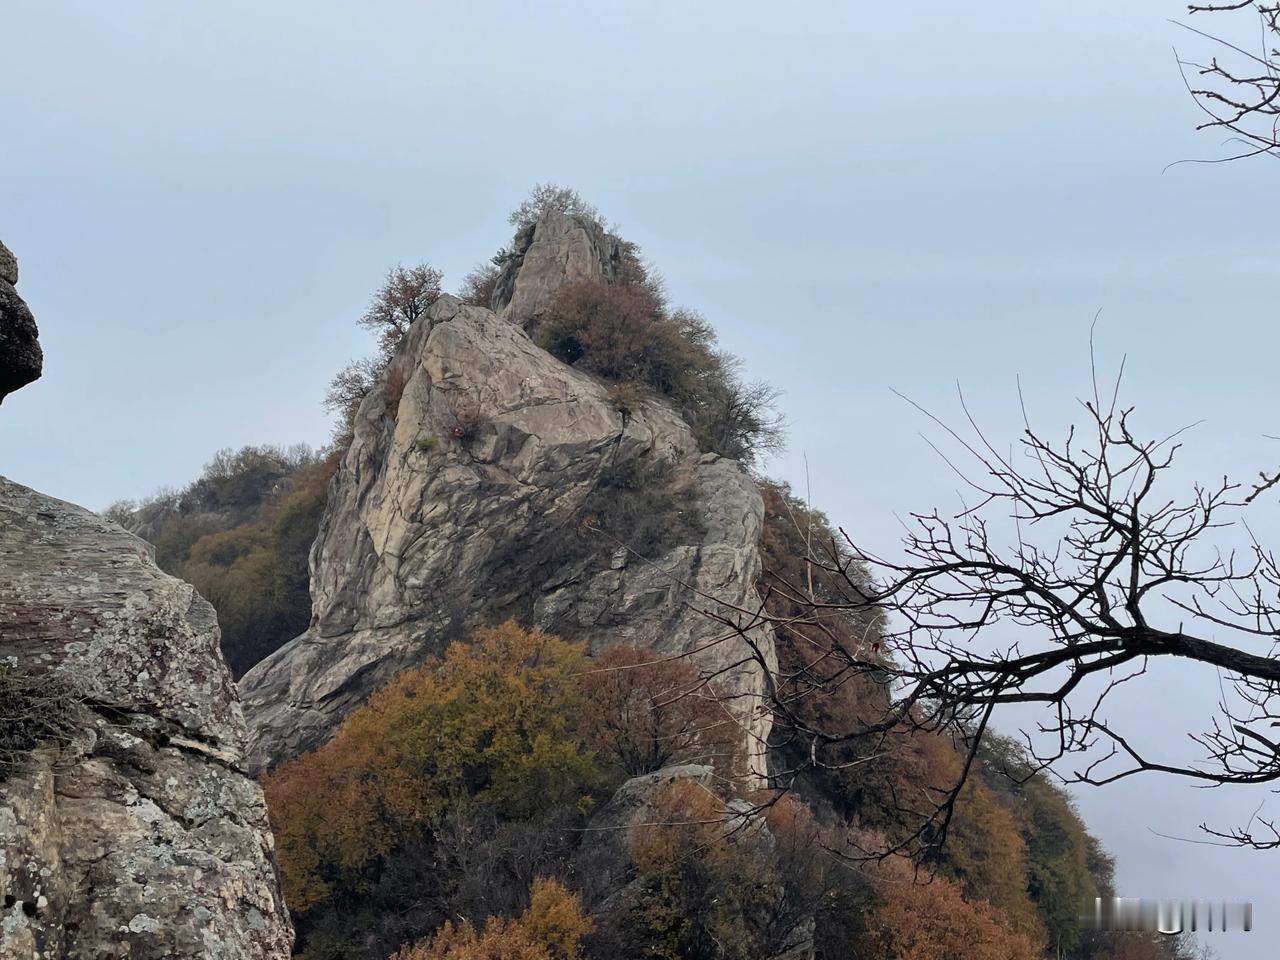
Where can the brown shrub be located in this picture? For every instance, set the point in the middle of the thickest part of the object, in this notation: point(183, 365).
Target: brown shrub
point(918, 918)
point(627, 398)
point(622, 332)
point(478, 285)
point(396, 378)
point(618, 331)
point(468, 419)
point(35, 709)
point(551, 928)
point(642, 711)
point(711, 883)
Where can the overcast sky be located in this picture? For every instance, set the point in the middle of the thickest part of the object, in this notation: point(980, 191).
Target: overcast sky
point(862, 197)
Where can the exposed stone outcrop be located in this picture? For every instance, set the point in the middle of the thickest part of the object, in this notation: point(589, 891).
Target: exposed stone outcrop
point(558, 249)
point(141, 837)
point(21, 360)
point(606, 872)
point(602, 859)
point(470, 461)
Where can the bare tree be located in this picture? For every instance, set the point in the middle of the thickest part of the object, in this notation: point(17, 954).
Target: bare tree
point(1238, 87)
point(350, 384)
point(1074, 568)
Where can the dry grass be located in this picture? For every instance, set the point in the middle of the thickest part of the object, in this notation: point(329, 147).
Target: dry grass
point(34, 709)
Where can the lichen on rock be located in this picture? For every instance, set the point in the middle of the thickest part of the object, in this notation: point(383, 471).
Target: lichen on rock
point(139, 835)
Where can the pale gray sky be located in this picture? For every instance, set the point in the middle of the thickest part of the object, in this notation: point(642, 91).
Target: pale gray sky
point(861, 196)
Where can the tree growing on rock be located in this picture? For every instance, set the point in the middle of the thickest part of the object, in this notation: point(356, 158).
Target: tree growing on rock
point(551, 196)
point(404, 296)
point(623, 332)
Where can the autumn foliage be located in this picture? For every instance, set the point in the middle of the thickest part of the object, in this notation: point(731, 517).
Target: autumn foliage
point(714, 880)
point(642, 711)
point(927, 918)
point(241, 534)
point(551, 928)
point(403, 297)
point(499, 734)
point(623, 332)
point(491, 724)
point(445, 820)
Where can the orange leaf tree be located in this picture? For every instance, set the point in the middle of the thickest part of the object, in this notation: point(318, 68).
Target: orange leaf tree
point(551, 928)
point(490, 724)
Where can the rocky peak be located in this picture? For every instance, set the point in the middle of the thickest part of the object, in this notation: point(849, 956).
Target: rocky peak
point(21, 360)
point(555, 250)
point(474, 465)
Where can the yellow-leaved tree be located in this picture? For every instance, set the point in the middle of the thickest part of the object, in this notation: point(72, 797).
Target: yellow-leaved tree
point(490, 724)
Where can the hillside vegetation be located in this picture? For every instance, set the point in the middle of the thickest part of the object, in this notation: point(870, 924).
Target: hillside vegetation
point(483, 803)
point(240, 533)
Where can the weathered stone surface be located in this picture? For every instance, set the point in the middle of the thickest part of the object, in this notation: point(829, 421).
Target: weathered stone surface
point(21, 360)
point(427, 534)
point(8, 265)
point(143, 837)
point(558, 249)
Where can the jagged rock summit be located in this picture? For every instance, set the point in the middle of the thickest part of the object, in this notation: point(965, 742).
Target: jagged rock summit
point(134, 833)
point(474, 461)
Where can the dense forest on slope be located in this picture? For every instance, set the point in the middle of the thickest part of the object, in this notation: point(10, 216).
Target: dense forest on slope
point(513, 798)
point(240, 533)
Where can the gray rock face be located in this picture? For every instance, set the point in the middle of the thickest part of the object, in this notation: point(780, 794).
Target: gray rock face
point(21, 359)
point(454, 496)
point(558, 249)
point(142, 837)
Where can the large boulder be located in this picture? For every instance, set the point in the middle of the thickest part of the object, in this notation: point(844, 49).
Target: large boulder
point(473, 463)
point(138, 834)
point(21, 359)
